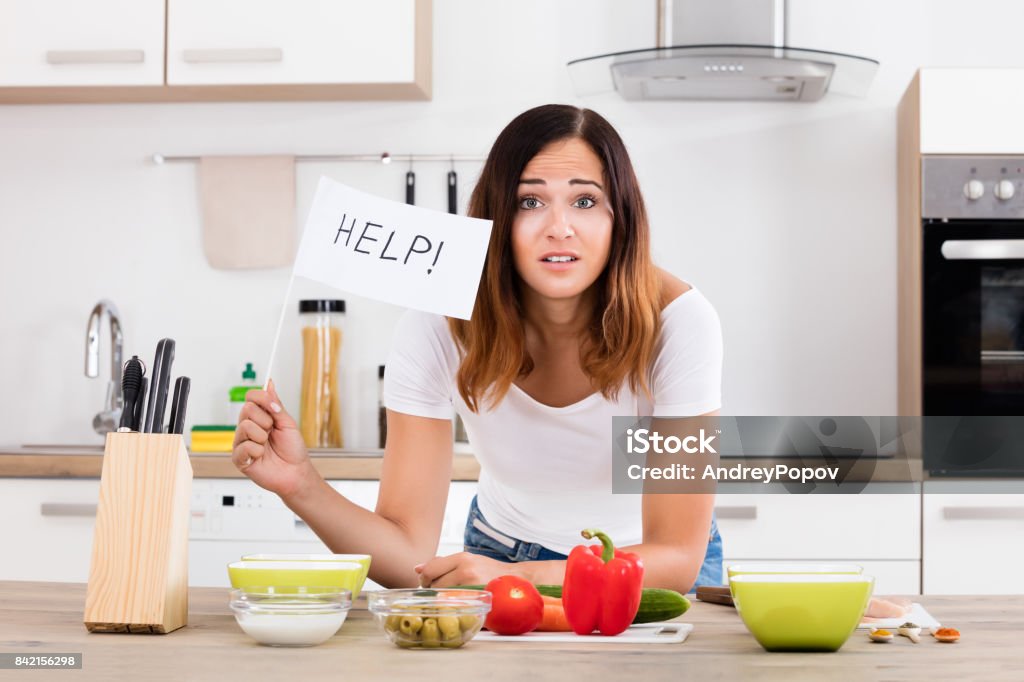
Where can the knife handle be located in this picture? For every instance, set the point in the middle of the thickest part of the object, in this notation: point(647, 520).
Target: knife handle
point(715, 595)
point(131, 380)
point(155, 407)
point(178, 404)
point(139, 402)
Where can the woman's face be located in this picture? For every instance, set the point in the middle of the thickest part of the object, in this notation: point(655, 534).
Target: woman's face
point(561, 233)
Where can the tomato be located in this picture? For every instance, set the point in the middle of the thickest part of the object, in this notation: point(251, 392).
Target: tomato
point(516, 606)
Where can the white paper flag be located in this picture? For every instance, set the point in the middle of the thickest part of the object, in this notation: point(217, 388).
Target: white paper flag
point(393, 252)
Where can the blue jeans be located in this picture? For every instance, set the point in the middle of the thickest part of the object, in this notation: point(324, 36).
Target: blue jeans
point(483, 539)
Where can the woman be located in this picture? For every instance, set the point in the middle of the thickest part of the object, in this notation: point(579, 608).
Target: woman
point(573, 324)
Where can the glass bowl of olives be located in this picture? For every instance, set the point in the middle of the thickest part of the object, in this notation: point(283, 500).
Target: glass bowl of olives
point(425, 618)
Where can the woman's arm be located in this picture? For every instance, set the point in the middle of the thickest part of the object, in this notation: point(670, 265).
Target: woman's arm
point(676, 528)
point(404, 529)
point(677, 515)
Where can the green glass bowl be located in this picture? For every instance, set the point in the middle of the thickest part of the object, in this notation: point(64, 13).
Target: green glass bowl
point(346, 575)
point(801, 612)
point(361, 559)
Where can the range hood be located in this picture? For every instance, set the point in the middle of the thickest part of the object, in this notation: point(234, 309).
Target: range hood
point(723, 50)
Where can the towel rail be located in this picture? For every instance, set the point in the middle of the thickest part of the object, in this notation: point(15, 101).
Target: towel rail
point(384, 157)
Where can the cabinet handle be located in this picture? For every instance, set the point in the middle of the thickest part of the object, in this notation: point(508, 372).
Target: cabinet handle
point(747, 512)
point(230, 55)
point(95, 56)
point(983, 513)
point(299, 523)
point(67, 509)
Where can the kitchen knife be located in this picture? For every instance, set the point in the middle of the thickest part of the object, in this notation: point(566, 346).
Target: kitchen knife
point(453, 204)
point(410, 188)
point(158, 385)
point(131, 382)
point(139, 404)
point(178, 404)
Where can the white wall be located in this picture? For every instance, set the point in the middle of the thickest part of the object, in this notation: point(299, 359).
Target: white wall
point(783, 214)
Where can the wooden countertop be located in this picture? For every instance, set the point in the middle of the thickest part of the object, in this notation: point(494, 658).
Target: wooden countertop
point(82, 462)
point(85, 462)
point(46, 618)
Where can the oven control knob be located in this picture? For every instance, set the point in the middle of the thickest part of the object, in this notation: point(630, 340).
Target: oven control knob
point(1004, 190)
point(974, 190)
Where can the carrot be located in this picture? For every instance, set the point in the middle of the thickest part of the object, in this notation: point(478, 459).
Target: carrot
point(554, 616)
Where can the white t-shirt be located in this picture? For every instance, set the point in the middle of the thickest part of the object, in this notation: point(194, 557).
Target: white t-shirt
point(545, 472)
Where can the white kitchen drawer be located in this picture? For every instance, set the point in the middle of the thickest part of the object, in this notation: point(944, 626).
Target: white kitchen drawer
point(806, 527)
point(893, 578)
point(216, 42)
point(79, 42)
point(973, 542)
point(48, 528)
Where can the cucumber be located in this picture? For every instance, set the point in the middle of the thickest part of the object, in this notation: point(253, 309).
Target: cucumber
point(656, 604)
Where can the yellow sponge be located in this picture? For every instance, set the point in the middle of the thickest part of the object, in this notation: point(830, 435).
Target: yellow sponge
point(213, 438)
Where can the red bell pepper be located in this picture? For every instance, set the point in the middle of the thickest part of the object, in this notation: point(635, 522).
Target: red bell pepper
point(602, 587)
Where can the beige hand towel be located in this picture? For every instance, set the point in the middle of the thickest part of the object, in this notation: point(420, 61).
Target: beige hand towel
point(248, 207)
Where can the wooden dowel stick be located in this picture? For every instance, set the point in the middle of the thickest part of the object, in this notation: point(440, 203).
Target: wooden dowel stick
point(280, 324)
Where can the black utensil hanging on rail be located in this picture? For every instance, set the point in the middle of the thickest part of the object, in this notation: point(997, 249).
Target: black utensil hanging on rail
point(410, 188)
point(453, 204)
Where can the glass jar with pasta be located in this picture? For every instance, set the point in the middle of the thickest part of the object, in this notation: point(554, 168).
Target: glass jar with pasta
point(320, 407)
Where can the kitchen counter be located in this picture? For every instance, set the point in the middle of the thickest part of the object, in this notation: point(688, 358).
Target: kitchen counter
point(46, 618)
point(87, 462)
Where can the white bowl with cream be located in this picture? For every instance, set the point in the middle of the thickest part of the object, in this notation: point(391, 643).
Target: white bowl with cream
point(290, 616)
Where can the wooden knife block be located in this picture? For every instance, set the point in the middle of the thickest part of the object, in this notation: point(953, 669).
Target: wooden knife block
point(138, 579)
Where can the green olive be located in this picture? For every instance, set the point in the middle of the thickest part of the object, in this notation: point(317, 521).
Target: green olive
point(449, 626)
point(393, 623)
point(453, 643)
point(411, 625)
point(468, 622)
point(406, 643)
point(431, 634)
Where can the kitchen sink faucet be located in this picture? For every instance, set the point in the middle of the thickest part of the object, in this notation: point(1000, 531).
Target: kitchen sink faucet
point(108, 419)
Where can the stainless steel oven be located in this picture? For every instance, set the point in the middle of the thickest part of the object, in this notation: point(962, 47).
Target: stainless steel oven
point(973, 311)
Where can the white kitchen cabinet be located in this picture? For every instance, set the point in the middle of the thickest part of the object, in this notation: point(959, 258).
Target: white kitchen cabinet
point(49, 525)
point(880, 531)
point(973, 538)
point(971, 111)
point(219, 42)
point(52, 539)
point(47, 529)
point(81, 42)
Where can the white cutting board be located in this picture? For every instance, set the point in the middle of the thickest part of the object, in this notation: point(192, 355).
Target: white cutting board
point(646, 633)
point(917, 616)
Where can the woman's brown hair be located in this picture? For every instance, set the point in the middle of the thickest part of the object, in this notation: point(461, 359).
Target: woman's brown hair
point(619, 344)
